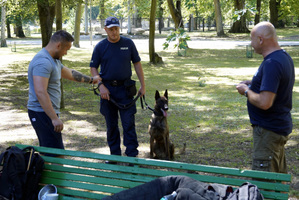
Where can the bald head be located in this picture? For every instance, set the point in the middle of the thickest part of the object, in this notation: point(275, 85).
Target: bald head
point(264, 39)
point(265, 30)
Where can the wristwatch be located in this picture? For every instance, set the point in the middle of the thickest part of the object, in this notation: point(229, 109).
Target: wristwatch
point(245, 93)
point(100, 83)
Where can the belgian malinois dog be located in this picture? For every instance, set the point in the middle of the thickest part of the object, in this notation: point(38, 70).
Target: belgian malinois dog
point(160, 145)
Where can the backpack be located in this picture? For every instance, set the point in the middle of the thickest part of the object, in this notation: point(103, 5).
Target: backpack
point(246, 191)
point(20, 173)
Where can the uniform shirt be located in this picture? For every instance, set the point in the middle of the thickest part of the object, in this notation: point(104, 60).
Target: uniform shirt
point(276, 74)
point(45, 66)
point(115, 58)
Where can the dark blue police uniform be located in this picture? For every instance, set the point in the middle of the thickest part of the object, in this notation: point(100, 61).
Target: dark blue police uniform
point(115, 61)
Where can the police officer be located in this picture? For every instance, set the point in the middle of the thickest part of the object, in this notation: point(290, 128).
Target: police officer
point(114, 56)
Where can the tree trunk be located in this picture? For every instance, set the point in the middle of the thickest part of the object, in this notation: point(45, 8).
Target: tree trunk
point(258, 14)
point(152, 31)
point(274, 7)
point(160, 16)
point(86, 17)
point(218, 17)
point(19, 27)
point(239, 26)
point(134, 15)
point(129, 31)
point(153, 56)
point(176, 13)
point(77, 26)
point(3, 17)
point(273, 12)
point(58, 15)
point(138, 21)
point(102, 13)
point(46, 14)
point(8, 28)
point(191, 23)
point(196, 24)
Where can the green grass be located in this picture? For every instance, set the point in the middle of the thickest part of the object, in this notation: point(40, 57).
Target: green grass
point(205, 110)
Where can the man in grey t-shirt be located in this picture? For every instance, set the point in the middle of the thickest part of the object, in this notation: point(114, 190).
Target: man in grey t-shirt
point(44, 74)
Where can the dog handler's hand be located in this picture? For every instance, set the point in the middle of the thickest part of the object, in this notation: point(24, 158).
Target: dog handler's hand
point(105, 94)
point(58, 125)
point(96, 79)
point(141, 91)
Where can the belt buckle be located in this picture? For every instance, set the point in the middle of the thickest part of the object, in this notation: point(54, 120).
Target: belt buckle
point(114, 83)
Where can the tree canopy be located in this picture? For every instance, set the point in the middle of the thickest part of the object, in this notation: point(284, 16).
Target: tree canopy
point(280, 12)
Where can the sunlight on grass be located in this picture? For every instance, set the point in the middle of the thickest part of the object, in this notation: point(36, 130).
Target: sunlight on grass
point(287, 33)
point(225, 71)
point(76, 54)
point(80, 113)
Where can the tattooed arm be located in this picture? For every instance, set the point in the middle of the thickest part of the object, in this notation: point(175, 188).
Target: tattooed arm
point(74, 75)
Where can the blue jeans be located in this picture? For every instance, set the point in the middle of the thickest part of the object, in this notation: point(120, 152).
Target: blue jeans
point(127, 116)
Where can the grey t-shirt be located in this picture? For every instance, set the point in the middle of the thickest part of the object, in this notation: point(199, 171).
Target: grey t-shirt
point(45, 66)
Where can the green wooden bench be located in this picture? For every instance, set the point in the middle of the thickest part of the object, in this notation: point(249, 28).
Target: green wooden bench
point(85, 175)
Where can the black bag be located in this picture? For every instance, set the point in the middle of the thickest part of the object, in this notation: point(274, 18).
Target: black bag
point(130, 86)
point(33, 173)
point(20, 174)
point(246, 191)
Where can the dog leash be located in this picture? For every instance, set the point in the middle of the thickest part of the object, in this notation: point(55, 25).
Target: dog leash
point(147, 106)
point(120, 106)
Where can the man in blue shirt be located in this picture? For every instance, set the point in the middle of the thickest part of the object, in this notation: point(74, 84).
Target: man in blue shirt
point(269, 103)
point(115, 54)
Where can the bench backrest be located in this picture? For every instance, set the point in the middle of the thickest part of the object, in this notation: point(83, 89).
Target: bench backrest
point(85, 174)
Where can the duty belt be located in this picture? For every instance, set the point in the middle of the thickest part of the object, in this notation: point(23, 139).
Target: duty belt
point(113, 83)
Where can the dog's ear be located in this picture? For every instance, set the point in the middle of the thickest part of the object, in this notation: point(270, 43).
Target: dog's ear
point(157, 95)
point(166, 94)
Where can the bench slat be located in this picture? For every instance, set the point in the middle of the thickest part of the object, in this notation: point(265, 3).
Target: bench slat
point(82, 194)
point(96, 180)
point(68, 198)
point(105, 174)
point(81, 186)
point(275, 195)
